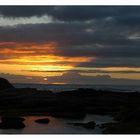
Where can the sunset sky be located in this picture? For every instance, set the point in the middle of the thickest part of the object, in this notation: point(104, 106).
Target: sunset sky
point(70, 44)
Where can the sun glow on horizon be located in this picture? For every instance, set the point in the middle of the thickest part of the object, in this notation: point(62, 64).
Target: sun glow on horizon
point(33, 59)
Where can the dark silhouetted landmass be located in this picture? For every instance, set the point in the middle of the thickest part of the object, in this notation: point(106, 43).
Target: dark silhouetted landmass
point(4, 84)
point(124, 107)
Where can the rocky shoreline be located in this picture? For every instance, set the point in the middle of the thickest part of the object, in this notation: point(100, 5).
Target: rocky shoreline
point(124, 107)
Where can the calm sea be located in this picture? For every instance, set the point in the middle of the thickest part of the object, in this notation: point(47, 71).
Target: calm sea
point(58, 87)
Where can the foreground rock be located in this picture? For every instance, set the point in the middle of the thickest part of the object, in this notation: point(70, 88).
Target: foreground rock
point(4, 84)
point(69, 114)
point(124, 107)
point(43, 121)
point(89, 125)
point(129, 123)
point(123, 128)
point(12, 123)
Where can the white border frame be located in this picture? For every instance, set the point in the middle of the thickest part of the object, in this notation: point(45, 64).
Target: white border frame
point(69, 2)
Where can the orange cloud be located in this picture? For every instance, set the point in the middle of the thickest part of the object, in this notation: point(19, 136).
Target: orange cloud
point(31, 56)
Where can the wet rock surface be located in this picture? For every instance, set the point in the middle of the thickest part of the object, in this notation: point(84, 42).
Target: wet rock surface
point(128, 124)
point(12, 123)
point(88, 125)
point(43, 121)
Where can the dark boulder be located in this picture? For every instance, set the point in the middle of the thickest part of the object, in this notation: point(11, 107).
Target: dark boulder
point(132, 127)
point(89, 125)
point(4, 84)
point(129, 123)
point(132, 115)
point(12, 123)
point(44, 121)
point(74, 115)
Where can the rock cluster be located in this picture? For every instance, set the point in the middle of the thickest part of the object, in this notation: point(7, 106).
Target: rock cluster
point(12, 123)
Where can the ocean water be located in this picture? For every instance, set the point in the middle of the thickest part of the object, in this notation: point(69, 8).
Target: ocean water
point(59, 125)
point(58, 87)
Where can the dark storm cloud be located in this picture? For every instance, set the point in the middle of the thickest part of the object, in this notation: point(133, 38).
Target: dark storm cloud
point(43, 32)
point(129, 20)
point(70, 13)
point(103, 62)
point(23, 11)
point(128, 15)
point(66, 13)
point(75, 39)
point(81, 13)
point(113, 62)
point(93, 31)
point(104, 52)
